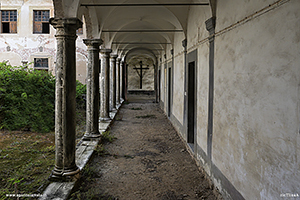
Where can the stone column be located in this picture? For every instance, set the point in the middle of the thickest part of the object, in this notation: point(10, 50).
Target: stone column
point(123, 74)
point(92, 87)
point(65, 98)
point(104, 85)
point(118, 63)
point(112, 96)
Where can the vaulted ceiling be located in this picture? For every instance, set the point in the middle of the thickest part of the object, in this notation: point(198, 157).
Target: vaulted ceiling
point(133, 25)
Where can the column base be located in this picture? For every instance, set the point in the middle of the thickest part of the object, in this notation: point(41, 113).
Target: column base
point(113, 109)
point(58, 175)
point(106, 119)
point(90, 136)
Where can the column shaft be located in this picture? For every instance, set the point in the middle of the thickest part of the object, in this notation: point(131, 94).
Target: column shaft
point(92, 97)
point(118, 81)
point(104, 85)
point(123, 80)
point(112, 96)
point(65, 97)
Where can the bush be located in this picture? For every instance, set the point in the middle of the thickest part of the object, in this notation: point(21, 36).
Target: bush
point(80, 95)
point(27, 99)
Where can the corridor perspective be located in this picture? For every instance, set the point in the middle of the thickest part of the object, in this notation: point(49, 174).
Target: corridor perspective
point(145, 160)
point(224, 74)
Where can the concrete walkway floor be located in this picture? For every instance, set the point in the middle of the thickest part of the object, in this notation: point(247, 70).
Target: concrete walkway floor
point(147, 160)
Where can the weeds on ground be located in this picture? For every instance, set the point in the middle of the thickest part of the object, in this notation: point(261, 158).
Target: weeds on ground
point(89, 173)
point(118, 118)
point(136, 109)
point(107, 137)
point(146, 116)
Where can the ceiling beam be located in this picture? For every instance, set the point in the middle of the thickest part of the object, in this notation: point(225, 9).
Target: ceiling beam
point(146, 4)
point(141, 31)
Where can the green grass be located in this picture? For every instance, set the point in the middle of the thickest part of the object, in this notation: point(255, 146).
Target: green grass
point(26, 160)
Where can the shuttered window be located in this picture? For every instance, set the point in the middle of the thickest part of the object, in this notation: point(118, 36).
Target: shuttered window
point(41, 21)
point(9, 21)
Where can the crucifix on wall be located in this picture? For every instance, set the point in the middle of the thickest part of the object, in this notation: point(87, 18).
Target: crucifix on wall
point(139, 71)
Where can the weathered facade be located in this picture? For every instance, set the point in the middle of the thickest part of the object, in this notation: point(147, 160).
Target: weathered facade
point(226, 73)
point(33, 38)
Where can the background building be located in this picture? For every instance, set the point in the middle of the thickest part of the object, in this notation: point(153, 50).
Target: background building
point(27, 37)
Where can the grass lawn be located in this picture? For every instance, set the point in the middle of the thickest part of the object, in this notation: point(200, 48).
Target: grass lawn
point(26, 161)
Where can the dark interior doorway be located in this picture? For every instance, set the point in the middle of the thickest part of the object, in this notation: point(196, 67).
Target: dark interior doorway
point(191, 104)
point(169, 91)
point(159, 82)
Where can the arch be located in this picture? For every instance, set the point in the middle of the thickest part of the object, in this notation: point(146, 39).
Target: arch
point(66, 8)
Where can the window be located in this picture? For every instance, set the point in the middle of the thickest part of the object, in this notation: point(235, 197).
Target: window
point(41, 21)
point(41, 63)
point(9, 21)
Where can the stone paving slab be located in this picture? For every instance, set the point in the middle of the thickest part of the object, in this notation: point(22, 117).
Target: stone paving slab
point(84, 151)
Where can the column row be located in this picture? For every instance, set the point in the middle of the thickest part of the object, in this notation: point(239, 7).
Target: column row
point(98, 104)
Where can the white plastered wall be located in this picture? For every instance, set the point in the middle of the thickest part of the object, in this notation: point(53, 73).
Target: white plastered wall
point(178, 79)
point(256, 102)
point(197, 34)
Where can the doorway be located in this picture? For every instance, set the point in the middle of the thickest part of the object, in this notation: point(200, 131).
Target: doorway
point(191, 105)
point(159, 84)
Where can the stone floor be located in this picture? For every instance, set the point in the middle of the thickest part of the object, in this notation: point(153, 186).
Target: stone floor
point(148, 160)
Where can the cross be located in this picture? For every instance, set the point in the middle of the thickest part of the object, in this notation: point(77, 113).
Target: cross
point(140, 73)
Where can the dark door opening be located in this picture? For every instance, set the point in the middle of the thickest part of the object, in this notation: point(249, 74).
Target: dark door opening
point(159, 80)
point(169, 91)
point(191, 104)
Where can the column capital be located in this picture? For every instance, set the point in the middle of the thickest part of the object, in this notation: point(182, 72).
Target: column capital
point(118, 60)
point(105, 52)
point(172, 52)
point(65, 22)
point(113, 56)
point(210, 25)
point(93, 42)
point(184, 43)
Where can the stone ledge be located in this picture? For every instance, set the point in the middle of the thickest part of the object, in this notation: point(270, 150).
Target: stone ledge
point(84, 151)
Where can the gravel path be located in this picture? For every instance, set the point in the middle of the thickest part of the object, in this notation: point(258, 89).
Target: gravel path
point(146, 161)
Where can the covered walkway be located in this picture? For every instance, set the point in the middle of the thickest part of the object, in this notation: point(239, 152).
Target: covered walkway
point(148, 160)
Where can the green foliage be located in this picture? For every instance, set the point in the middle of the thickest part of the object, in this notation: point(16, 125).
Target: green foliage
point(26, 99)
point(80, 94)
point(107, 137)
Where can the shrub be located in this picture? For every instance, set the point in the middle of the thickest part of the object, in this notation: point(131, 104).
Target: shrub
point(26, 99)
point(80, 95)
